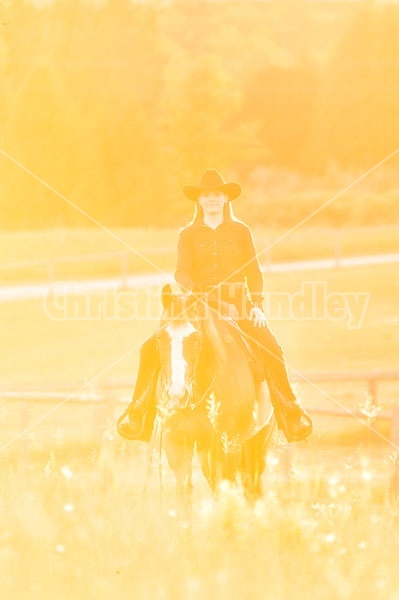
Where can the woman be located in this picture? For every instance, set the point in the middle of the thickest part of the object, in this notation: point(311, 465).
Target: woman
point(217, 257)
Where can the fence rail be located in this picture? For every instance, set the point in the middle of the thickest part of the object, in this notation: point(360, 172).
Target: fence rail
point(109, 393)
point(121, 258)
point(109, 396)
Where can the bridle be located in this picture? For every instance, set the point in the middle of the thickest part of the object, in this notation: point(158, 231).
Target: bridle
point(191, 402)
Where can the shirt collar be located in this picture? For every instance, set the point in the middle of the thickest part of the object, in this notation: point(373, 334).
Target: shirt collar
point(221, 226)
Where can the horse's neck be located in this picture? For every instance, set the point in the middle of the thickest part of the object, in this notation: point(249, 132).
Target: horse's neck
point(207, 363)
point(230, 378)
point(214, 333)
point(215, 355)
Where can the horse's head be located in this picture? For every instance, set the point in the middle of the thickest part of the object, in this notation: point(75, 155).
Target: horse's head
point(179, 345)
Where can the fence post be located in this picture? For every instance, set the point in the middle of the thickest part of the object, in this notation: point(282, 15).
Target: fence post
point(395, 441)
point(268, 254)
point(286, 463)
point(50, 272)
point(24, 422)
point(372, 392)
point(124, 269)
point(337, 247)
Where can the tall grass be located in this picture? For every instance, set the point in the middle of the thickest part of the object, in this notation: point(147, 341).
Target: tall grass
point(75, 523)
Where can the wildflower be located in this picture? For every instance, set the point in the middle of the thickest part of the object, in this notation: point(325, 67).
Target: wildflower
point(255, 413)
point(369, 408)
point(272, 460)
point(230, 446)
point(213, 410)
point(66, 472)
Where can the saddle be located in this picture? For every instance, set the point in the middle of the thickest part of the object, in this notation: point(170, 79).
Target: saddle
point(142, 413)
point(251, 350)
point(264, 409)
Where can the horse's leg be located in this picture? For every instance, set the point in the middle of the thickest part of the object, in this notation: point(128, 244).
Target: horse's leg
point(218, 465)
point(207, 460)
point(252, 466)
point(180, 458)
point(230, 461)
point(213, 465)
point(254, 461)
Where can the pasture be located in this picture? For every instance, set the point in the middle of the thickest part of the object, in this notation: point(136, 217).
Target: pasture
point(86, 515)
point(76, 522)
point(27, 248)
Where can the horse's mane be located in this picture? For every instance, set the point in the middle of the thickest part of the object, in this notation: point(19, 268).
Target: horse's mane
point(222, 365)
point(222, 348)
point(213, 327)
point(175, 312)
point(223, 337)
point(226, 363)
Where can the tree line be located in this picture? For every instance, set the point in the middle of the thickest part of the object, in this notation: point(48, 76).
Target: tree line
point(116, 105)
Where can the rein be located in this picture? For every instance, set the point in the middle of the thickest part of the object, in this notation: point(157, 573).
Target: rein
point(194, 405)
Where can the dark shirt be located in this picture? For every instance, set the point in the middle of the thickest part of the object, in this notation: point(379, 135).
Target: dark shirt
point(224, 257)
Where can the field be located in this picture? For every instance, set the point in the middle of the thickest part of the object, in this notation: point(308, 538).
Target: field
point(80, 526)
point(65, 253)
point(85, 515)
point(108, 108)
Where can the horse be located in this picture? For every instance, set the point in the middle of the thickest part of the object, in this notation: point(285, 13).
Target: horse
point(208, 397)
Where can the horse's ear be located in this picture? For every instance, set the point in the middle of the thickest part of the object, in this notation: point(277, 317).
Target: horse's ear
point(192, 305)
point(191, 302)
point(167, 296)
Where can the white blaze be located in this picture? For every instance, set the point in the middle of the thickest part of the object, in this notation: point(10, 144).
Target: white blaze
point(177, 336)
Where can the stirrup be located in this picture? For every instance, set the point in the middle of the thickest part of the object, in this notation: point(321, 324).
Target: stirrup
point(294, 431)
point(146, 403)
point(137, 427)
point(127, 429)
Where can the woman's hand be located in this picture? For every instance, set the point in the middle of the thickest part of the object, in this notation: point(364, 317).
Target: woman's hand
point(258, 317)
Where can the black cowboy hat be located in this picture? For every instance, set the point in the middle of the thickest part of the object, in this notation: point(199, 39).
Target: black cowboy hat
point(212, 180)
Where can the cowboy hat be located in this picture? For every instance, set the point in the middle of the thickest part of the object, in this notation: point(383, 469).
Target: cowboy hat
point(212, 180)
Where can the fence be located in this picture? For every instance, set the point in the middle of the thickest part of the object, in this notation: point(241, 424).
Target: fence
point(119, 261)
point(115, 393)
point(48, 266)
point(108, 400)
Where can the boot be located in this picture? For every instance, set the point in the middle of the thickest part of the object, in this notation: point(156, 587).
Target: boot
point(291, 418)
point(141, 413)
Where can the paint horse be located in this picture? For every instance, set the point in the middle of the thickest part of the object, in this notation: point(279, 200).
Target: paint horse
point(208, 397)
